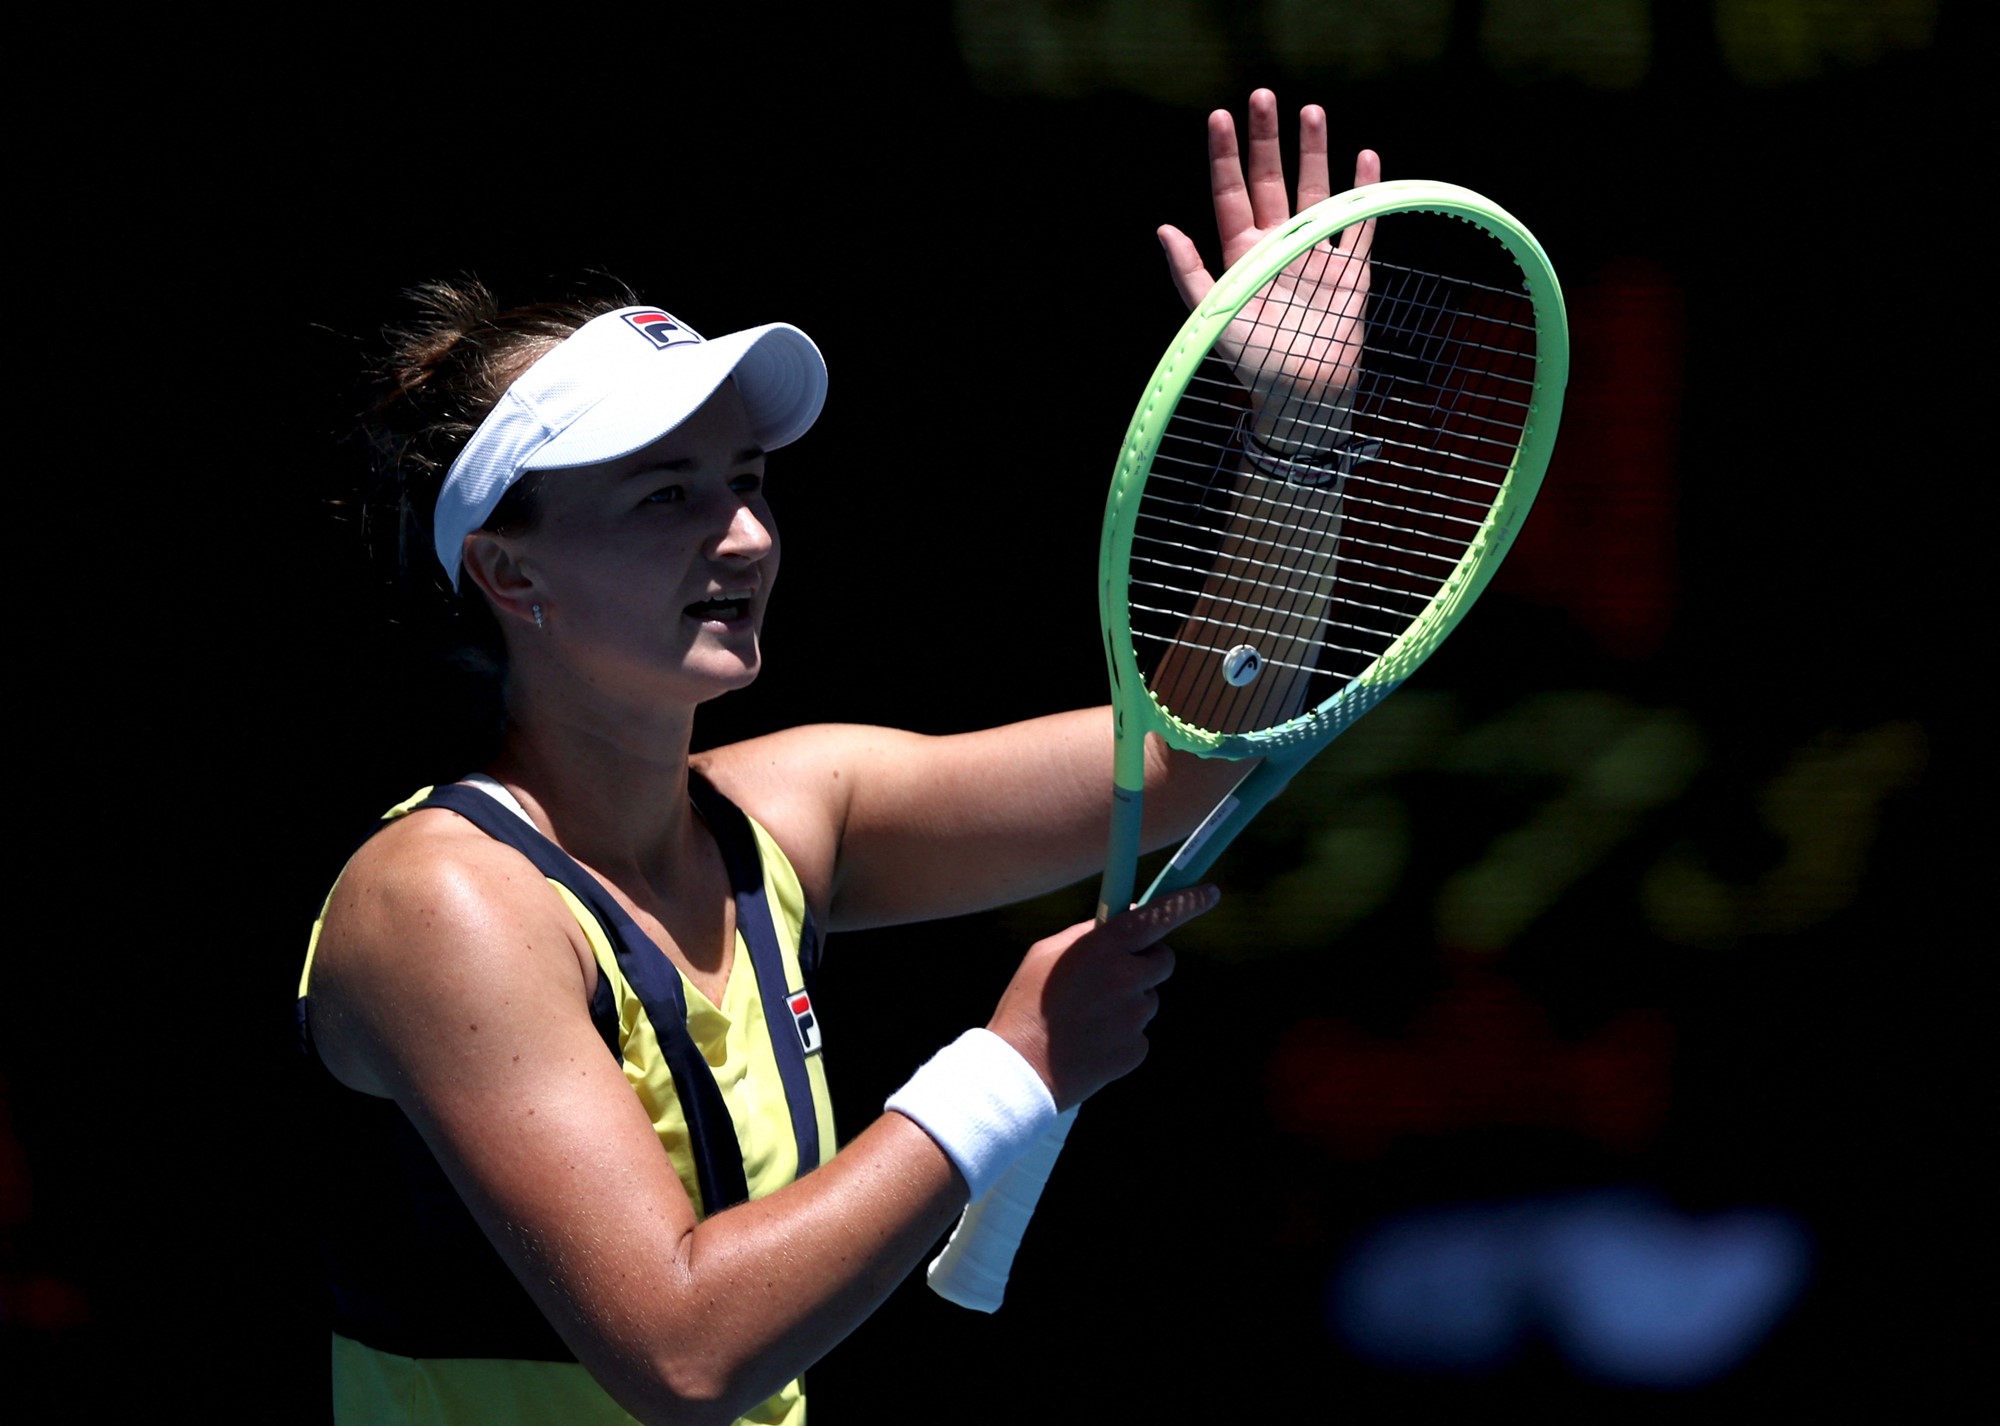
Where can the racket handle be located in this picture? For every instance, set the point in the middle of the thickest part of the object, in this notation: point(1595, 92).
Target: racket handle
point(972, 1270)
point(1264, 781)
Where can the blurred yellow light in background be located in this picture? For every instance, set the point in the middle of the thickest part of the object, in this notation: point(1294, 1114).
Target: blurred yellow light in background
point(1185, 51)
point(1606, 44)
point(1767, 42)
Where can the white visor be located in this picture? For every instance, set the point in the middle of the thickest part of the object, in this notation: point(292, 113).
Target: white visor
point(615, 385)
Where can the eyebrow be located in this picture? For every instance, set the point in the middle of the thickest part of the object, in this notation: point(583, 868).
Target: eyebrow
point(742, 457)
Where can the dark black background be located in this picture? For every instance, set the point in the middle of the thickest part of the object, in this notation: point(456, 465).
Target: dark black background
point(216, 223)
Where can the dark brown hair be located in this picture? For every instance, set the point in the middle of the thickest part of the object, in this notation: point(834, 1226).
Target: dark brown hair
point(444, 370)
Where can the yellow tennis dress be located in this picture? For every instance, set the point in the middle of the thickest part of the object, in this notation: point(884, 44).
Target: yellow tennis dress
point(430, 1328)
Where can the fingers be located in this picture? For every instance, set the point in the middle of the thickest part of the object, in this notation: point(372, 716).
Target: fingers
point(1315, 184)
point(1268, 203)
point(1225, 177)
point(1145, 926)
point(1359, 240)
point(1184, 265)
point(1250, 197)
point(1078, 1007)
point(1253, 198)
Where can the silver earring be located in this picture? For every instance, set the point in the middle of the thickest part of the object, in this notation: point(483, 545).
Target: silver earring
point(538, 616)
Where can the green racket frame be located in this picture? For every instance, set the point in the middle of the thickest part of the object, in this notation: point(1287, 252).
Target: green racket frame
point(1284, 749)
point(973, 1268)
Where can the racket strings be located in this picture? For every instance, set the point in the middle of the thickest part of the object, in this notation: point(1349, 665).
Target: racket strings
point(1255, 602)
point(1264, 594)
point(1386, 498)
point(1262, 616)
point(1263, 590)
point(1273, 565)
point(1406, 422)
point(1365, 643)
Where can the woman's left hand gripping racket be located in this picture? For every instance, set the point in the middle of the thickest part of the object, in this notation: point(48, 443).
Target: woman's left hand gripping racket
point(1324, 472)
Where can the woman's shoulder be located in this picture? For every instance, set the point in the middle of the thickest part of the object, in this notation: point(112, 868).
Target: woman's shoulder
point(433, 855)
point(795, 785)
point(428, 912)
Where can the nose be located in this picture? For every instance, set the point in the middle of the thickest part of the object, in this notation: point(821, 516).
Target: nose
point(748, 537)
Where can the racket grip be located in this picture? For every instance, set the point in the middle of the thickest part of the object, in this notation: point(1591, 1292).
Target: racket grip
point(972, 1270)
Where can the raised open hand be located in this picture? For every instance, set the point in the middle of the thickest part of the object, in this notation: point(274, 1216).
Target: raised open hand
point(1297, 345)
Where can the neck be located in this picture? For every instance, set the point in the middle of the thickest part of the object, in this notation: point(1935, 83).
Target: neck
point(609, 785)
point(613, 793)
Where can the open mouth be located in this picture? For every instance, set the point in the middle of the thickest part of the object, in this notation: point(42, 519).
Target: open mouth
point(723, 611)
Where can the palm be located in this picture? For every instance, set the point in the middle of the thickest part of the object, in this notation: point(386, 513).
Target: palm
point(1299, 341)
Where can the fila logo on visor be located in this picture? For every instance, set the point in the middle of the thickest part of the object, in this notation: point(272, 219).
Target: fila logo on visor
point(802, 1016)
point(659, 329)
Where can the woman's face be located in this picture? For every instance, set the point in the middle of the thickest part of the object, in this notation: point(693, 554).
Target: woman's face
point(658, 566)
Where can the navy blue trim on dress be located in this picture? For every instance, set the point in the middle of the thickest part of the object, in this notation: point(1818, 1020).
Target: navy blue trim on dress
point(409, 1269)
point(718, 1159)
point(758, 927)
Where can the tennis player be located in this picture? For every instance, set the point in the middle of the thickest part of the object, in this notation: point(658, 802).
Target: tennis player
point(581, 1160)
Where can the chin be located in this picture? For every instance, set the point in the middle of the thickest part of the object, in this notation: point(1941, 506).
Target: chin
point(728, 680)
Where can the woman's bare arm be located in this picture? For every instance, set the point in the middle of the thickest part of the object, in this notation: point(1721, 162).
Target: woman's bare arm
point(887, 827)
point(448, 978)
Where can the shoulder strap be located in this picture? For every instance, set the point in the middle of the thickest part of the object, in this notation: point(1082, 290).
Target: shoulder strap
point(718, 1159)
point(758, 927)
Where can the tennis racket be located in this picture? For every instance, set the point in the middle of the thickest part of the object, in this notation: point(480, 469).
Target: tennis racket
point(1324, 472)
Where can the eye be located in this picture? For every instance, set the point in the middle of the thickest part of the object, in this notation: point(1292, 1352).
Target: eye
point(748, 483)
point(666, 495)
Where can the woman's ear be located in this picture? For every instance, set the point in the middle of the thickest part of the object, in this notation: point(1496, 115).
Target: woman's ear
point(493, 563)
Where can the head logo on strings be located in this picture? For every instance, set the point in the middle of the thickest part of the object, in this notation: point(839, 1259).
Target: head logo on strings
point(1241, 664)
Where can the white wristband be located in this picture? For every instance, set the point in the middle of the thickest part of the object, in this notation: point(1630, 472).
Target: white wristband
point(981, 1101)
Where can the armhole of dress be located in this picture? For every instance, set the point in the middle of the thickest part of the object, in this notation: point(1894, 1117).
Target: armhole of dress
point(603, 1000)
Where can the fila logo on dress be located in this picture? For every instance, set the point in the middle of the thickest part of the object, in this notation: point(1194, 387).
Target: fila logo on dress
point(802, 1016)
point(660, 329)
